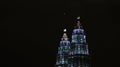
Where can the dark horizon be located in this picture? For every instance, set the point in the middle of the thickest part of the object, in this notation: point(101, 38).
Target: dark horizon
point(30, 32)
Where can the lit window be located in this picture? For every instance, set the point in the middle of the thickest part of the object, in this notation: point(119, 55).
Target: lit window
point(74, 38)
point(78, 50)
point(84, 36)
point(62, 60)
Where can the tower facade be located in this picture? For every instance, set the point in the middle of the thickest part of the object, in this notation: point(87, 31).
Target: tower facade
point(76, 53)
point(63, 50)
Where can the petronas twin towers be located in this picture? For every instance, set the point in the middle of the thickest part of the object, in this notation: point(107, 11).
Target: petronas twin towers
point(74, 53)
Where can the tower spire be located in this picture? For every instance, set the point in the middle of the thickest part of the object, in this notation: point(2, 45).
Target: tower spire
point(78, 22)
point(64, 30)
point(64, 37)
point(78, 17)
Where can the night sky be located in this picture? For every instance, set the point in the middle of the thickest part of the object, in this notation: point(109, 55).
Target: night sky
point(31, 31)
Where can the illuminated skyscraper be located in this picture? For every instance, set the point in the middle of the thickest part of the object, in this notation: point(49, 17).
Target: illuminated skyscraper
point(74, 54)
point(78, 54)
point(63, 50)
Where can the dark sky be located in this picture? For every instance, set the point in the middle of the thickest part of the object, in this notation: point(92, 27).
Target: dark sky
point(31, 31)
